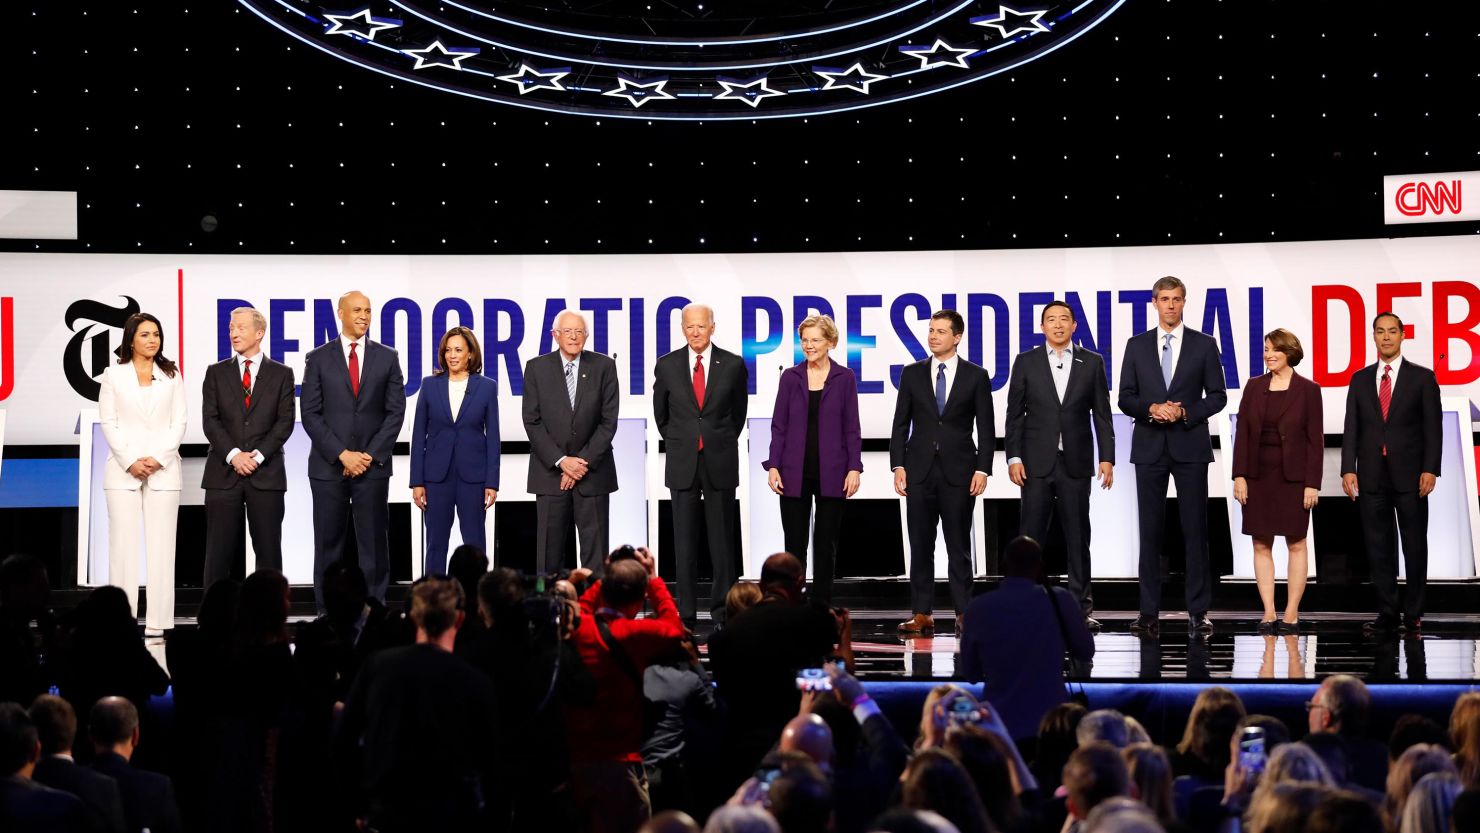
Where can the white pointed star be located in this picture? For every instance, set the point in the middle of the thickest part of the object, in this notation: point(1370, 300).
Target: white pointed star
point(438, 55)
point(751, 92)
point(941, 54)
point(853, 78)
point(359, 24)
point(640, 93)
point(529, 79)
point(1011, 21)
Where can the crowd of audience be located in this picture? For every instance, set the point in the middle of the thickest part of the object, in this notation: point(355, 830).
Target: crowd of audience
point(500, 703)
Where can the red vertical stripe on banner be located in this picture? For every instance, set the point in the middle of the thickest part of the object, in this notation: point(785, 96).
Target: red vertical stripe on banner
point(180, 317)
point(7, 347)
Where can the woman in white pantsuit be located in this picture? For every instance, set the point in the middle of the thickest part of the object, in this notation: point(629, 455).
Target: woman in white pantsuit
point(142, 408)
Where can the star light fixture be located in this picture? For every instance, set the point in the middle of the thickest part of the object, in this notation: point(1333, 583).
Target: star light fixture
point(640, 92)
point(941, 54)
point(1010, 21)
point(854, 78)
point(359, 24)
point(751, 92)
point(437, 55)
point(529, 79)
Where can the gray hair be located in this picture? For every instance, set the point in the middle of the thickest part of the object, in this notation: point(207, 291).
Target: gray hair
point(1106, 725)
point(1122, 815)
point(741, 818)
point(258, 320)
point(1430, 804)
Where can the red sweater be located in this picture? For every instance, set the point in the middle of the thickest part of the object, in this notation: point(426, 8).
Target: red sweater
point(610, 729)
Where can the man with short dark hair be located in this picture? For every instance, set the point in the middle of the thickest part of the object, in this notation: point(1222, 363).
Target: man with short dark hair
point(418, 729)
point(26, 805)
point(1095, 772)
point(801, 798)
point(56, 726)
point(938, 470)
point(1341, 705)
point(148, 797)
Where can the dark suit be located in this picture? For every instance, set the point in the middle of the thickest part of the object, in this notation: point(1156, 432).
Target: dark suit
point(557, 429)
point(1387, 457)
point(29, 807)
point(264, 427)
point(337, 420)
point(1180, 450)
point(713, 472)
point(455, 459)
point(98, 792)
point(1038, 423)
point(148, 797)
point(939, 459)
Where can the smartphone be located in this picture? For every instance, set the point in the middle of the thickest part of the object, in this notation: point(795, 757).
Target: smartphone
point(813, 679)
point(962, 711)
point(1251, 750)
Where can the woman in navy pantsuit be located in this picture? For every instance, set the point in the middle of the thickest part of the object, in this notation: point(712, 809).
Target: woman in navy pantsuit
point(816, 449)
point(455, 446)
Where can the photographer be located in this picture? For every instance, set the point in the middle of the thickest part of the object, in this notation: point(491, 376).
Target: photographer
point(609, 785)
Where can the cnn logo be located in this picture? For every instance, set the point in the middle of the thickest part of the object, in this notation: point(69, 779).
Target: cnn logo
point(1415, 199)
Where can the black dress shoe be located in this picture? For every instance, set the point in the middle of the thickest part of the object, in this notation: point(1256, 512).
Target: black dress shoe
point(1200, 624)
point(1382, 624)
point(1290, 628)
point(1093, 624)
point(1268, 627)
point(1413, 626)
point(1148, 625)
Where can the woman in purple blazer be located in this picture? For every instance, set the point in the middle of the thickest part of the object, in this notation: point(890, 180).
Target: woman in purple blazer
point(816, 449)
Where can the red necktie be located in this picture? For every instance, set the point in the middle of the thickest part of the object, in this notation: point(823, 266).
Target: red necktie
point(246, 383)
point(699, 390)
point(354, 369)
point(1385, 396)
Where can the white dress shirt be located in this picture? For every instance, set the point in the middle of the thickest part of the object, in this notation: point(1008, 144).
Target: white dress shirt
point(346, 341)
point(708, 352)
point(1060, 365)
point(575, 371)
point(935, 365)
point(241, 359)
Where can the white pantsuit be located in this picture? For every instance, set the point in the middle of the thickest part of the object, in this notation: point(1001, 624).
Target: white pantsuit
point(142, 421)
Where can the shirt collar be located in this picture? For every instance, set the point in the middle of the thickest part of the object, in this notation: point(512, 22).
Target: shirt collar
point(1176, 332)
point(708, 351)
point(1396, 363)
point(255, 358)
point(564, 361)
point(1068, 349)
point(346, 341)
point(949, 363)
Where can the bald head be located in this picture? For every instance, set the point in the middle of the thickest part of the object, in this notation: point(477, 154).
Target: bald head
point(113, 725)
point(670, 821)
point(809, 735)
point(354, 314)
point(782, 572)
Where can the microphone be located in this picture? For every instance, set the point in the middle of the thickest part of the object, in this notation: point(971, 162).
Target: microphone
point(1061, 364)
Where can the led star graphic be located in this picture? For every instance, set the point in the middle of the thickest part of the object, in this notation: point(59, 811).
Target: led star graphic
point(640, 93)
point(530, 79)
point(438, 55)
point(853, 78)
point(359, 24)
point(751, 92)
point(941, 54)
point(1011, 21)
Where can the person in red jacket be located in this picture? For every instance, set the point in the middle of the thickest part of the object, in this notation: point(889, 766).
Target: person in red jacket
point(607, 778)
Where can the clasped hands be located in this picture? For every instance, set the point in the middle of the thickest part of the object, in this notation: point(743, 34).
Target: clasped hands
point(572, 470)
point(143, 467)
point(355, 463)
point(1168, 412)
point(245, 462)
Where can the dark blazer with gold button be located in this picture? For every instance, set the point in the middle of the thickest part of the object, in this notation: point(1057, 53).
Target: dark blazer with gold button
point(1301, 434)
point(556, 429)
point(264, 427)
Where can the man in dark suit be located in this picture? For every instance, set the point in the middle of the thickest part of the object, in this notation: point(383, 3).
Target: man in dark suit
point(570, 413)
point(148, 797)
point(56, 728)
point(354, 401)
point(700, 394)
point(938, 470)
point(1390, 459)
point(247, 414)
point(1056, 390)
point(1171, 382)
point(25, 804)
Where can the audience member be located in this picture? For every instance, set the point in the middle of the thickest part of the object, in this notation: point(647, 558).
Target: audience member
point(1284, 808)
point(901, 820)
point(987, 760)
point(331, 649)
point(148, 797)
point(1103, 726)
point(200, 662)
point(743, 596)
point(426, 760)
point(1276, 733)
point(24, 591)
point(26, 805)
point(609, 787)
point(467, 566)
point(1430, 804)
point(1135, 732)
point(1344, 811)
point(1341, 705)
point(1150, 773)
point(934, 780)
point(56, 728)
point(1014, 639)
point(800, 798)
point(935, 711)
point(1057, 739)
point(679, 683)
point(1203, 751)
point(670, 821)
point(741, 818)
point(868, 754)
point(1412, 765)
point(1122, 815)
point(103, 654)
point(1413, 729)
point(1095, 772)
point(1464, 735)
point(1465, 814)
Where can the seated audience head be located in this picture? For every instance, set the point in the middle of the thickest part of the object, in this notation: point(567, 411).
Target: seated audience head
point(1299, 763)
point(847, 735)
point(345, 591)
point(1215, 714)
point(625, 585)
point(1464, 735)
point(19, 747)
point(934, 780)
point(1057, 738)
point(468, 565)
point(783, 575)
point(1340, 705)
point(1465, 814)
point(56, 724)
point(24, 588)
point(436, 608)
point(1276, 733)
point(1284, 808)
point(809, 735)
point(1023, 558)
point(801, 798)
point(501, 598)
point(1331, 749)
point(1135, 732)
point(989, 762)
point(1430, 804)
point(1094, 773)
point(743, 596)
point(1103, 726)
point(1413, 729)
point(106, 612)
point(1122, 815)
point(902, 820)
point(217, 614)
point(670, 821)
point(1344, 811)
point(741, 818)
point(113, 726)
point(933, 714)
point(262, 610)
point(1150, 773)
point(1412, 765)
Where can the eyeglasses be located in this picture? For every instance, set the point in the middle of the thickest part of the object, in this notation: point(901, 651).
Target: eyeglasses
point(1311, 705)
point(567, 332)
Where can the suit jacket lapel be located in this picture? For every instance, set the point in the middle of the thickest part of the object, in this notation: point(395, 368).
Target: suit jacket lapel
point(1184, 359)
point(341, 366)
point(1077, 368)
point(956, 385)
point(581, 376)
point(256, 380)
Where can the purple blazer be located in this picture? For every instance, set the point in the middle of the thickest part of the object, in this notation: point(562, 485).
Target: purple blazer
point(839, 437)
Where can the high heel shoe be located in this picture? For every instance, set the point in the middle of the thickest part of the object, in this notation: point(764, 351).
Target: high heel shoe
point(1290, 628)
point(1267, 627)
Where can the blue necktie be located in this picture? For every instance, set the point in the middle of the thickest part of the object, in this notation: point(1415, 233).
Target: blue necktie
point(1166, 361)
point(940, 389)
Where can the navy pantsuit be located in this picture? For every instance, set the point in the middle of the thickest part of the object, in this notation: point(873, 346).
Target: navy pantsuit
point(455, 459)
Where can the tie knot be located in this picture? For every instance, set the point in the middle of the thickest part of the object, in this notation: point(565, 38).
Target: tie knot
point(353, 345)
point(698, 360)
point(247, 362)
point(1386, 369)
point(1169, 338)
point(941, 369)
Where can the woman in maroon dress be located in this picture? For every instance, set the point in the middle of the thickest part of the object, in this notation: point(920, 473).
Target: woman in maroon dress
point(1277, 448)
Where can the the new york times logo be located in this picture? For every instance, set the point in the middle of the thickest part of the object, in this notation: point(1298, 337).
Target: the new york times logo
point(90, 351)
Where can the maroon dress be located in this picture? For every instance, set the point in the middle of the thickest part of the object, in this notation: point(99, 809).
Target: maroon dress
point(1276, 506)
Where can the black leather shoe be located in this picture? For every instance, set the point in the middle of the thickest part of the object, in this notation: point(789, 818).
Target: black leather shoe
point(1093, 624)
point(1268, 627)
point(1382, 624)
point(1290, 628)
point(1200, 623)
point(1412, 626)
point(1148, 625)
